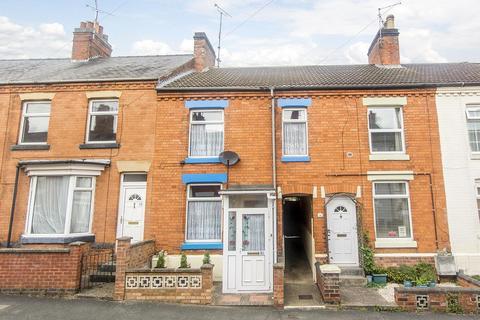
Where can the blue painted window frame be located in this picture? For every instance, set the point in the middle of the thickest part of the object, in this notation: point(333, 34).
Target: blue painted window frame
point(294, 102)
point(295, 158)
point(190, 178)
point(202, 246)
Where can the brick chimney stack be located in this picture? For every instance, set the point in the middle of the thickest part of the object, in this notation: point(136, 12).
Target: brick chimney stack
point(89, 42)
point(385, 48)
point(204, 54)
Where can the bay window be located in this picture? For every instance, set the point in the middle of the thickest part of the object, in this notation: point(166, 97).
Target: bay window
point(60, 205)
point(294, 131)
point(206, 133)
point(204, 212)
point(102, 121)
point(385, 127)
point(392, 210)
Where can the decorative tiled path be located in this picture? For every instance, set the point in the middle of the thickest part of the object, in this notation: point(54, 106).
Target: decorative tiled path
point(245, 299)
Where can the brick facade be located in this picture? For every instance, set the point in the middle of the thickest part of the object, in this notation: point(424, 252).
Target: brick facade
point(328, 283)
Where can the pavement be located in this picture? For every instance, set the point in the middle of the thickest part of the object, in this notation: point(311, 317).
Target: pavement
point(23, 307)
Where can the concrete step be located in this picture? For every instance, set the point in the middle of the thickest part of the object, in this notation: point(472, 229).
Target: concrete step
point(352, 271)
point(352, 281)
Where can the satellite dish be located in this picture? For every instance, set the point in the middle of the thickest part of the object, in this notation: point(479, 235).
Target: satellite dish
point(229, 158)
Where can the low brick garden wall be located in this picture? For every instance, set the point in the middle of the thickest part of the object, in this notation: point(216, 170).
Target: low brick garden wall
point(328, 282)
point(194, 286)
point(465, 299)
point(41, 270)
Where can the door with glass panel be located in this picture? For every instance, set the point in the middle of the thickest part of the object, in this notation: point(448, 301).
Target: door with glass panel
point(132, 206)
point(248, 245)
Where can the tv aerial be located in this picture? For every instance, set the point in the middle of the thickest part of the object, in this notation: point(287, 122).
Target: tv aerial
point(222, 12)
point(229, 158)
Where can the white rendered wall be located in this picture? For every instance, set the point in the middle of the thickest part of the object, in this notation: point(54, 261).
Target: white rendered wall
point(460, 171)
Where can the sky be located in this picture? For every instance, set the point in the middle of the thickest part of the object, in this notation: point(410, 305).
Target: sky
point(259, 32)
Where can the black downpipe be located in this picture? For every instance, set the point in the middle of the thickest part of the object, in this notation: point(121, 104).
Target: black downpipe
point(12, 211)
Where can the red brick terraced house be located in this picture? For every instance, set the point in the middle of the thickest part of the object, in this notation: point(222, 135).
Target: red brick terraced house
point(96, 147)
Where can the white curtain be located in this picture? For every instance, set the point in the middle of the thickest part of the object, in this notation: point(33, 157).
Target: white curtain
point(294, 139)
point(206, 139)
point(204, 220)
point(50, 205)
point(81, 211)
point(253, 232)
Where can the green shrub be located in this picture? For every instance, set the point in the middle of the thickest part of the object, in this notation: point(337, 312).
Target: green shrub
point(421, 273)
point(476, 277)
point(368, 261)
point(453, 305)
point(206, 258)
point(183, 261)
point(161, 260)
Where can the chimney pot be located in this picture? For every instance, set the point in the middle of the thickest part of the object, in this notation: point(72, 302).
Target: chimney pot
point(385, 48)
point(390, 22)
point(89, 42)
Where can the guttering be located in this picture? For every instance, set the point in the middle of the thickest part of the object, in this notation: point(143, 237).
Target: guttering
point(333, 87)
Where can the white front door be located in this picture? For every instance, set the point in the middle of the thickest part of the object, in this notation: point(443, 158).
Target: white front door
point(248, 250)
point(132, 210)
point(342, 231)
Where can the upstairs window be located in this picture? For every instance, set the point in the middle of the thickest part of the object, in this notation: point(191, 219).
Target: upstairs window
point(102, 121)
point(295, 140)
point(473, 125)
point(385, 126)
point(206, 133)
point(204, 213)
point(34, 124)
point(392, 210)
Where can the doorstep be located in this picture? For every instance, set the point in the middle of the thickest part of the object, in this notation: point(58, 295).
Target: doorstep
point(241, 299)
point(364, 298)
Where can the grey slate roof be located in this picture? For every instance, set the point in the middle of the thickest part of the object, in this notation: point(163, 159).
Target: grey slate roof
point(98, 69)
point(329, 76)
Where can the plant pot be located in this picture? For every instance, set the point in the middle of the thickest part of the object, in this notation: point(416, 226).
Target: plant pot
point(407, 284)
point(379, 278)
point(369, 278)
point(432, 284)
point(422, 286)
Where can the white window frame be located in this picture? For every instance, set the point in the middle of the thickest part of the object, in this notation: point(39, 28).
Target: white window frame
point(219, 198)
point(473, 107)
point(68, 215)
point(191, 122)
point(101, 113)
point(25, 115)
point(304, 109)
point(392, 196)
point(401, 130)
point(477, 197)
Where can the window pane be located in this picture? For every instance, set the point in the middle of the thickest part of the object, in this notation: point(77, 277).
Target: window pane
point(204, 220)
point(135, 177)
point(390, 188)
point(474, 113)
point(248, 201)
point(33, 108)
point(384, 118)
point(84, 182)
point(253, 232)
point(392, 218)
point(207, 116)
point(294, 139)
point(386, 141)
point(104, 106)
point(294, 115)
point(232, 231)
point(81, 211)
point(35, 129)
point(50, 205)
point(474, 134)
point(206, 140)
point(103, 128)
point(204, 191)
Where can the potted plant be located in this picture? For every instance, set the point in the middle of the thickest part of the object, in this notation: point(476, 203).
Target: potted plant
point(423, 281)
point(379, 276)
point(160, 260)
point(183, 261)
point(206, 258)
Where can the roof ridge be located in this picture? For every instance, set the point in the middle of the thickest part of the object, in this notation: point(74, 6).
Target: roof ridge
point(114, 57)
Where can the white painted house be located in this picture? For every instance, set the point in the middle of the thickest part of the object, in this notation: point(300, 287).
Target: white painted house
point(458, 111)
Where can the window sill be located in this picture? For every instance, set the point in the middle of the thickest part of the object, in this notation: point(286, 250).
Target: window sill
point(202, 246)
point(387, 156)
point(395, 243)
point(20, 147)
point(295, 159)
point(475, 156)
point(201, 160)
point(29, 239)
point(99, 146)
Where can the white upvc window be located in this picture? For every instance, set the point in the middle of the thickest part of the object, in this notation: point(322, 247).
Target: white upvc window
point(204, 213)
point(60, 205)
point(391, 203)
point(473, 126)
point(206, 133)
point(34, 123)
point(294, 132)
point(102, 121)
point(477, 189)
point(385, 128)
